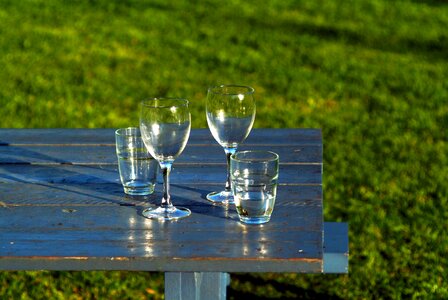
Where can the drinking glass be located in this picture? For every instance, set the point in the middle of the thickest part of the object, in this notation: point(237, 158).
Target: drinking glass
point(254, 177)
point(230, 113)
point(137, 168)
point(165, 125)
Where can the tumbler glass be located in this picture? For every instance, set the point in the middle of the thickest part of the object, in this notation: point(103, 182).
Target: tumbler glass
point(138, 169)
point(254, 176)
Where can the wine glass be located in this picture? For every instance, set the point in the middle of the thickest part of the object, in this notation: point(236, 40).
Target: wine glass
point(165, 125)
point(230, 116)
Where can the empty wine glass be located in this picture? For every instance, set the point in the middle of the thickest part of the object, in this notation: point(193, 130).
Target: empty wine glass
point(230, 116)
point(165, 125)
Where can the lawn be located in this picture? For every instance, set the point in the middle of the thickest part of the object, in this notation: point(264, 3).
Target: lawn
point(373, 74)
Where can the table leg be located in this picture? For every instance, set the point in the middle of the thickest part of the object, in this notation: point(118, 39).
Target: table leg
point(335, 247)
point(196, 285)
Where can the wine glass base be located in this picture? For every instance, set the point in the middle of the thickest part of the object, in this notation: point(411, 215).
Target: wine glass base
point(166, 213)
point(222, 198)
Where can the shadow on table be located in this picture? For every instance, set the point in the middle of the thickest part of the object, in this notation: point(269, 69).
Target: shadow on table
point(202, 192)
point(99, 181)
point(203, 206)
point(93, 184)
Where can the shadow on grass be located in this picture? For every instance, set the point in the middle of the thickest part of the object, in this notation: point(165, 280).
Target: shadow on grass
point(435, 49)
point(283, 290)
point(431, 2)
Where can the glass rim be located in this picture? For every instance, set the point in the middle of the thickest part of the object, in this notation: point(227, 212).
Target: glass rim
point(128, 131)
point(180, 101)
point(272, 156)
point(213, 89)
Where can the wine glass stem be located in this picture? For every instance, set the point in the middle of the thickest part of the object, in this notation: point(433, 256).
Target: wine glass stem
point(166, 169)
point(229, 152)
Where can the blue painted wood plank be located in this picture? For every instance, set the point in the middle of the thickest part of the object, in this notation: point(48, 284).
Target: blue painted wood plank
point(55, 230)
point(110, 234)
point(106, 194)
point(78, 136)
point(208, 174)
point(31, 154)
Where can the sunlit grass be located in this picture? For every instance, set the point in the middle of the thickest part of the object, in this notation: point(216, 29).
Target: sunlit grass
point(371, 74)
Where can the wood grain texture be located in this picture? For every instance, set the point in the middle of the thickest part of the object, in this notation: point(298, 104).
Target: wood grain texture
point(187, 174)
point(63, 207)
point(104, 154)
point(100, 137)
point(110, 194)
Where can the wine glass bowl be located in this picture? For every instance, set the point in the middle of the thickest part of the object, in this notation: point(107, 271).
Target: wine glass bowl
point(165, 125)
point(230, 111)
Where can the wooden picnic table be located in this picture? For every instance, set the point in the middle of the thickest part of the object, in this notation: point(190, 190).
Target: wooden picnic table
point(62, 207)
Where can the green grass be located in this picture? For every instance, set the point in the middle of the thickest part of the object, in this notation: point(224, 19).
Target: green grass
point(371, 74)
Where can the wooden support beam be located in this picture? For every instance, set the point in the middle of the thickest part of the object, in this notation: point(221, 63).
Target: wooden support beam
point(335, 247)
point(196, 285)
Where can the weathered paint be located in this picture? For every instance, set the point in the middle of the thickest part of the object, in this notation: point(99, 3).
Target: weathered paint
point(63, 207)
